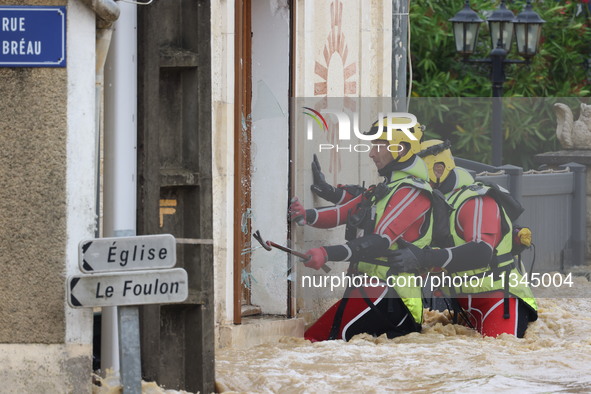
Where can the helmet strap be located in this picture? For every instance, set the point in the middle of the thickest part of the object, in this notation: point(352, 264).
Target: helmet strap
point(448, 183)
point(394, 165)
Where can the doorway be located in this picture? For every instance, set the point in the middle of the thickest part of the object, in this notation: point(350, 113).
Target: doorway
point(262, 150)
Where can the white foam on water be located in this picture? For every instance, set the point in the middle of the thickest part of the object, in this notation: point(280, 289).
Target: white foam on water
point(555, 355)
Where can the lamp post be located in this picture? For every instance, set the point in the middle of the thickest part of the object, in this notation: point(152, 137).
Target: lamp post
point(526, 27)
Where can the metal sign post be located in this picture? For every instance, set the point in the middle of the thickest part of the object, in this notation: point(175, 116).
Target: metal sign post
point(129, 349)
point(146, 278)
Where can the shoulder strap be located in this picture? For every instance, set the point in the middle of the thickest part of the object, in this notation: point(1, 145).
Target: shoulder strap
point(512, 207)
point(457, 195)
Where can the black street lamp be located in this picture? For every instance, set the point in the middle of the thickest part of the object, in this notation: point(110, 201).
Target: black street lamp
point(502, 23)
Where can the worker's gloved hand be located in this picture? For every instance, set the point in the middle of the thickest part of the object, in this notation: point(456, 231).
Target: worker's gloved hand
point(297, 212)
point(407, 258)
point(322, 188)
point(317, 258)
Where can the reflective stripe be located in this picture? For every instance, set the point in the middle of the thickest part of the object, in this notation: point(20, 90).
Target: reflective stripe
point(342, 197)
point(470, 310)
point(349, 251)
point(397, 210)
point(459, 224)
point(516, 316)
point(390, 241)
point(479, 205)
point(385, 225)
point(403, 319)
point(315, 220)
point(449, 256)
point(363, 312)
point(475, 220)
point(495, 306)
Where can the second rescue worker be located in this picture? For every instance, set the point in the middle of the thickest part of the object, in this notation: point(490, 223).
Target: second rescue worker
point(398, 208)
point(481, 246)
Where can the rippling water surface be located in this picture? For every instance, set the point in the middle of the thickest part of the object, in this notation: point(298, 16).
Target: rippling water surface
point(554, 356)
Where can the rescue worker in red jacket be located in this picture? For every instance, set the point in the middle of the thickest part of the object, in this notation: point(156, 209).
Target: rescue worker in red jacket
point(398, 208)
point(482, 238)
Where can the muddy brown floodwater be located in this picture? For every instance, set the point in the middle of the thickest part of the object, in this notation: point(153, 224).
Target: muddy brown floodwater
point(555, 355)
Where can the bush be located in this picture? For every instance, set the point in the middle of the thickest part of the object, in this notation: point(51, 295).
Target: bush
point(560, 69)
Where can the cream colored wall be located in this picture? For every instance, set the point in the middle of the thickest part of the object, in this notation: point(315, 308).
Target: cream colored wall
point(342, 50)
point(222, 66)
point(360, 69)
point(366, 31)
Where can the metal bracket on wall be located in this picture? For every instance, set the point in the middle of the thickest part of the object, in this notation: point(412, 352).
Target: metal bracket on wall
point(194, 241)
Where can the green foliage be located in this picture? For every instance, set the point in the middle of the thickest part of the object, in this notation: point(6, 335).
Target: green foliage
point(558, 70)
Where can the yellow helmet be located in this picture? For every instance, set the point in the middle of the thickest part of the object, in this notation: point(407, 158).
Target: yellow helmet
point(437, 151)
point(398, 136)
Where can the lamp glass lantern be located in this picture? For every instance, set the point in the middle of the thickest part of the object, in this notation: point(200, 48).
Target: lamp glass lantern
point(528, 30)
point(500, 24)
point(466, 24)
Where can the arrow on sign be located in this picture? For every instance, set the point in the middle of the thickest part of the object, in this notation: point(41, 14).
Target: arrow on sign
point(133, 288)
point(74, 301)
point(127, 253)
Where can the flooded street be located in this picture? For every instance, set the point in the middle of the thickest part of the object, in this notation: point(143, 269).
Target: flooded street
point(555, 355)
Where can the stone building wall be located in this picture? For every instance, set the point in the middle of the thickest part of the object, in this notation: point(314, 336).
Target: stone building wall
point(47, 206)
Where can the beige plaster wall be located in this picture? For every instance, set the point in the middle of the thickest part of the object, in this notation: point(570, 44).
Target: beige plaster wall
point(222, 84)
point(40, 350)
point(343, 50)
point(33, 128)
point(45, 369)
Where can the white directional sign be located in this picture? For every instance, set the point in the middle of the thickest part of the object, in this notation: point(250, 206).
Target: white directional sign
point(133, 288)
point(127, 253)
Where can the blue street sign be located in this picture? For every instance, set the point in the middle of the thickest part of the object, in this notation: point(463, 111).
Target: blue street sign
point(32, 36)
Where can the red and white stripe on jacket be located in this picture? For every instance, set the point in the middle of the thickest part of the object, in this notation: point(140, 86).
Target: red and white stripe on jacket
point(479, 219)
point(403, 216)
